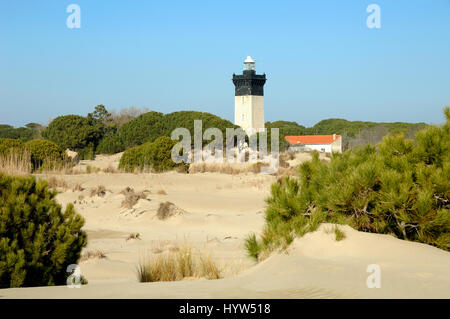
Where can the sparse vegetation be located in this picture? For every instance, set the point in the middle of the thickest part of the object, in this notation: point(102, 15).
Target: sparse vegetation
point(340, 235)
point(165, 210)
point(337, 232)
point(77, 187)
point(131, 197)
point(92, 169)
point(252, 246)
point(99, 191)
point(133, 236)
point(161, 192)
point(96, 254)
point(177, 265)
point(56, 182)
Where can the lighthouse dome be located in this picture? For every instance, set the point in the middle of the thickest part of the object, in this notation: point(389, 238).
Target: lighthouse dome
point(249, 60)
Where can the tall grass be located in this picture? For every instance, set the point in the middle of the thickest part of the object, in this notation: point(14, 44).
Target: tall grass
point(176, 265)
point(16, 162)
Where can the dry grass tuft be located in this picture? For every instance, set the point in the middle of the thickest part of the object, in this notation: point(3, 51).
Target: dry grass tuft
point(133, 236)
point(167, 209)
point(161, 192)
point(92, 169)
point(110, 169)
point(55, 182)
point(97, 254)
point(77, 187)
point(209, 268)
point(174, 266)
point(100, 191)
point(16, 163)
point(131, 198)
point(223, 168)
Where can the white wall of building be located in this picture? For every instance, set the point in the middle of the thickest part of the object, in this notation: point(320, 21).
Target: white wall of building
point(249, 112)
point(319, 147)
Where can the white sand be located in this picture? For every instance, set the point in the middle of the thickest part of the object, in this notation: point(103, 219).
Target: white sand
point(219, 211)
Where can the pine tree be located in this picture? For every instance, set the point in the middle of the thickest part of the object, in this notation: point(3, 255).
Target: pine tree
point(397, 187)
point(37, 239)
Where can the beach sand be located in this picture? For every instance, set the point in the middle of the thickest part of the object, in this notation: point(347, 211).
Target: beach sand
point(215, 213)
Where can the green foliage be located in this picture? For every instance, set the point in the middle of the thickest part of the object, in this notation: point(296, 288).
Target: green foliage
point(354, 133)
point(186, 119)
point(23, 133)
point(37, 239)
point(132, 159)
point(74, 132)
point(149, 126)
point(103, 122)
point(398, 188)
point(6, 144)
point(110, 145)
point(352, 128)
point(43, 151)
point(252, 246)
point(155, 156)
point(145, 128)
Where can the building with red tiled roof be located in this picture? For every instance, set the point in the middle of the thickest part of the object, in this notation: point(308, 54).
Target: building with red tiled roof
point(322, 143)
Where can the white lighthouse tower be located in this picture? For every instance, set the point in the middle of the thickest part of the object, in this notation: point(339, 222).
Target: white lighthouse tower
point(249, 98)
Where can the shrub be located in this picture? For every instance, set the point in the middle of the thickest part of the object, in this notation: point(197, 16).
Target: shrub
point(37, 239)
point(23, 133)
point(6, 144)
point(44, 151)
point(396, 188)
point(159, 154)
point(110, 145)
point(252, 246)
point(74, 132)
point(145, 128)
point(99, 191)
point(155, 156)
point(132, 159)
point(131, 197)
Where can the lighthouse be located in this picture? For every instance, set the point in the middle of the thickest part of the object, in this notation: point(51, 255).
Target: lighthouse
point(249, 98)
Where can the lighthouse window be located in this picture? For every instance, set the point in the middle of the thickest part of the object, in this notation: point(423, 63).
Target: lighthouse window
point(243, 116)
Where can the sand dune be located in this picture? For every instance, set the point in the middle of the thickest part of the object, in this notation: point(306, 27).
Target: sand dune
point(215, 212)
point(315, 266)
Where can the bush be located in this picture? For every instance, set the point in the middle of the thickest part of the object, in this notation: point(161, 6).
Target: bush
point(37, 239)
point(396, 188)
point(132, 159)
point(6, 144)
point(145, 128)
point(74, 132)
point(110, 145)
point(186, 119)
point(155, 156)
point(23, 133)
point(43, 151)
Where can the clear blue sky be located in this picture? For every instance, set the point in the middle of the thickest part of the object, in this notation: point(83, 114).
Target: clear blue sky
point(320, 58)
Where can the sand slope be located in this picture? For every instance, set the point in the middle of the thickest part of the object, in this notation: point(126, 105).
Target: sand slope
point(216, 213)
point(315, 266)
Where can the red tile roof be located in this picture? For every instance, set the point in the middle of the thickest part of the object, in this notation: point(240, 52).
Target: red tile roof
point(311, 139)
